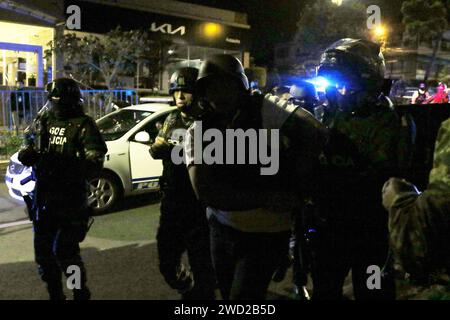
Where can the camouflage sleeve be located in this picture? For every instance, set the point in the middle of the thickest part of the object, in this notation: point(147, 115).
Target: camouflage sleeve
point(419, 225)
point(440, 174)
point(94, 147)
point(159, 150)
point(419, 231)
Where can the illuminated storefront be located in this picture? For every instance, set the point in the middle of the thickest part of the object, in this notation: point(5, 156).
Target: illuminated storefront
point(192, 33)
point(22, 50)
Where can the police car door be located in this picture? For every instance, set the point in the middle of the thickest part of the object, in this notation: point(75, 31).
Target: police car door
point(145, 171)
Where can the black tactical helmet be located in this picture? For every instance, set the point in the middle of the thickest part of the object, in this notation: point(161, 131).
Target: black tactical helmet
point(222, 65)
point(183, 80)
point(64, 92)
point(356, 62)
point(303, 90)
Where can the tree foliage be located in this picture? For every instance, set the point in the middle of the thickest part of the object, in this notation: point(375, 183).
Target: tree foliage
point(323, 22)
point(108, 56)
point(424, 19)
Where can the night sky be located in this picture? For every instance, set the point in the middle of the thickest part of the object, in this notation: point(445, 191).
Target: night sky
point(275, 21)
point(271, 21)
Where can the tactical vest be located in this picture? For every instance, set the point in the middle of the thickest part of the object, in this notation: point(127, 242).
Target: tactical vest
point(175, 178)
point(61, 150)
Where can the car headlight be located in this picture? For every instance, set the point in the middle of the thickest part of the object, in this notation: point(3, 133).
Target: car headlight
point(15, 168)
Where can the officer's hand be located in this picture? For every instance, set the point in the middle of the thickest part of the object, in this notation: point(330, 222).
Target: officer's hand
point(393, 187)
point(28, 156)
point(159, 142)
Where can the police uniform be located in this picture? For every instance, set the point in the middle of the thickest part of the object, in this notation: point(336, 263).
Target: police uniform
point(367, 144)
point(364, 149)
point(183, 226)
point(70, 151)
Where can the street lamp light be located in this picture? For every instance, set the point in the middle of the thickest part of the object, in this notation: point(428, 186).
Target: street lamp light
point(380, 34)
point(380, 31)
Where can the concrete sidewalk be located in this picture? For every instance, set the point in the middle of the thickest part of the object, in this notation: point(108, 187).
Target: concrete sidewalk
point(10, 209)
point(3, 165)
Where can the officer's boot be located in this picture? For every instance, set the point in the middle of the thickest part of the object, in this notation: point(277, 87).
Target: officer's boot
point(83, 293)
point(52, 276)
point(55, 291)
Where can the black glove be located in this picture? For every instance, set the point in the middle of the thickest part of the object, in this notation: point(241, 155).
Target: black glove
point(181, 280)
point(28, 156)
point(394, 187)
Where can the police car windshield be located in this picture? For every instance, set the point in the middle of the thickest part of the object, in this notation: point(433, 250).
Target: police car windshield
point(115, 125)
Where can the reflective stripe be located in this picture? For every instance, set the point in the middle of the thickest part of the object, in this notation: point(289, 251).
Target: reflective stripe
point(144, 179)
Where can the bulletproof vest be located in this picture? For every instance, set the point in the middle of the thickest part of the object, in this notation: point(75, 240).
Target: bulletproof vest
point(62, 153)
point(175, 178)
point(353, 160)
point(64, 136)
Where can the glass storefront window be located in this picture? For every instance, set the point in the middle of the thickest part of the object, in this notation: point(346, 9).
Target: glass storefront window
point(21, 50)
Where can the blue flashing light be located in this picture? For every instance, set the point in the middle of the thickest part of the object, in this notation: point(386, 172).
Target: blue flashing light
point(320, 83)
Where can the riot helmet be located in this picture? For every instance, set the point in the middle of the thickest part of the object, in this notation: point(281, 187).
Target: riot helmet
point(354, 63)
point(303, 90)
point(222, 66)
point(221, 87)
point(355, 70)
point(304, 95)
point(64, 93)
point(183, 80)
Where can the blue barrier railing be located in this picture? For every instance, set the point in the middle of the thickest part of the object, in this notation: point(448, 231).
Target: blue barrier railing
point(19, 107)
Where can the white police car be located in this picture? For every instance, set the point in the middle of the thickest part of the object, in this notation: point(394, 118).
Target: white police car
point(128, 169)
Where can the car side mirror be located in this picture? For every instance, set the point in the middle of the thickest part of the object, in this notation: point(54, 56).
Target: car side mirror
point(142, 137)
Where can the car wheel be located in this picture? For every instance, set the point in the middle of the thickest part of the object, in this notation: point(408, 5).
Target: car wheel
point(104, 193)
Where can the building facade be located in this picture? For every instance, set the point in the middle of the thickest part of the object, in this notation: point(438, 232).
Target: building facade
point(401, 62)
point(191, 32)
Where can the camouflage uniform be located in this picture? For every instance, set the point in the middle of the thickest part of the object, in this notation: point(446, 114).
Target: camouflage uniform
point(182, 226)
point(419, 226)
point(366, 146)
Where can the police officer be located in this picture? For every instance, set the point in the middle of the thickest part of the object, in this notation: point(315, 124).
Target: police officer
point(183, 226)
point(249, 214)
point(367, 144)
point(66, 149)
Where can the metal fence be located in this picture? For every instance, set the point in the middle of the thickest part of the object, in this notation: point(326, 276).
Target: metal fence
point(19, 107)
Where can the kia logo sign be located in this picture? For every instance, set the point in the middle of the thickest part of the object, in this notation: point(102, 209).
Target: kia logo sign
point(166, 28)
